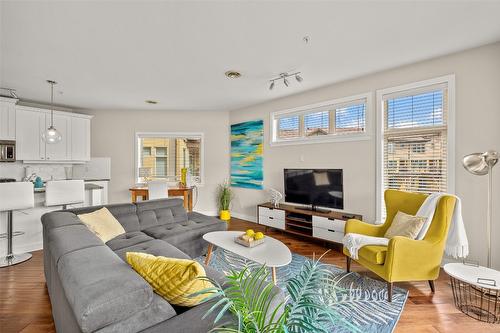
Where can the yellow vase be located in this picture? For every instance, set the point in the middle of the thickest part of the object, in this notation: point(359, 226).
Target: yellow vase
point(225, 215)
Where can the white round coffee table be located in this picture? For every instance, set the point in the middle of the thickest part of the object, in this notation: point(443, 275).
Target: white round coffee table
point(272, 253)
point(476, 290)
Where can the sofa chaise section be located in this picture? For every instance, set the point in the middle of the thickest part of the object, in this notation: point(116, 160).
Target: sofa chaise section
point(93, 289)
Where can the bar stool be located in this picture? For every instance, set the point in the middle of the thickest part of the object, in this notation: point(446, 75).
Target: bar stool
point(15, 196)
point(64, 193)
point(157, 189)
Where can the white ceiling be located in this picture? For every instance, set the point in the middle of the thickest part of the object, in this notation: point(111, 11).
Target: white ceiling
point(115, 55)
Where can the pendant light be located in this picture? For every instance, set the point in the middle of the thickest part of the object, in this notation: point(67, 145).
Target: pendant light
point(51, 135)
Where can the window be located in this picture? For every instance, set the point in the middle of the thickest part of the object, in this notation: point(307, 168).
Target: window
point(326, 121)
point(350, 119)
point(163, 155)
point(415, 128)
point(317, 123)
point(288, 127)
point(418, 148)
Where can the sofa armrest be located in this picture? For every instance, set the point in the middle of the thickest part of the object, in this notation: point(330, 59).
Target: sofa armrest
point(412, 257)
point(354, 226)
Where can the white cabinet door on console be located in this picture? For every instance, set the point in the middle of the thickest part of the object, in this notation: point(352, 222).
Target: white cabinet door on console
point(29, 126)
point(328, 234)
point(80, 139)
point(328, 223)
point(274, 218)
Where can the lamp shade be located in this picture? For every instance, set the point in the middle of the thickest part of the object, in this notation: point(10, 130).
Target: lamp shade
point(479, 163)
point(51, 135)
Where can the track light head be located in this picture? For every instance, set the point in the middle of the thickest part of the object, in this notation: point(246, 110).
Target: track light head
point(298, 78)
point(271, 86)
point(285, 81)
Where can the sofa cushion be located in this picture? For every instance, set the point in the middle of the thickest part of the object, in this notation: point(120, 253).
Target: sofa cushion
point(197, 220)
point(59, 219)
point(373, 253)
point(100, 288)
point(126, 214)
point(127, 239)
point(160, 212)
point(70, 238)
point(159, 311)
point(177, 233)
point(155, 247)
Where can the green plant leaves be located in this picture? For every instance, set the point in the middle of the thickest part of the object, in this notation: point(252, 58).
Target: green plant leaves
point(251, 299)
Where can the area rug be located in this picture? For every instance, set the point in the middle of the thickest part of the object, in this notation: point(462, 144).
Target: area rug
point(362, 301)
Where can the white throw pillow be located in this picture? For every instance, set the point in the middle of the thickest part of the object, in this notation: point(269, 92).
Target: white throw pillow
point(103, 224)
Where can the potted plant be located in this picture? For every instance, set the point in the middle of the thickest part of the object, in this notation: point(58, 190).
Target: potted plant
point(224, 197)
point(249, 298)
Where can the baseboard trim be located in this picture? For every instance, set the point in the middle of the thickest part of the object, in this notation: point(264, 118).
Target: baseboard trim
point(245, 217)
point(207, 212)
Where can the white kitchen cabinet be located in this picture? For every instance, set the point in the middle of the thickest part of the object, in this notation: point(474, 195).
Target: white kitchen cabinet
point(80, 139)
point(7, 118)
point(30, 125)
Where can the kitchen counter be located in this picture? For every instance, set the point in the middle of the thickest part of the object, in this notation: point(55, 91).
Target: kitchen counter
point(88, 187)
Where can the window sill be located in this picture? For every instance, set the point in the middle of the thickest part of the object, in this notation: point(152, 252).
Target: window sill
point(329, 139)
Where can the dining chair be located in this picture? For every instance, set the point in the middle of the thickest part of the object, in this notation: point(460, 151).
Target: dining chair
point(157, 189)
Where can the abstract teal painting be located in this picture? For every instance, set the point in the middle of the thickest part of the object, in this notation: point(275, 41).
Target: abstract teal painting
point(246, 154)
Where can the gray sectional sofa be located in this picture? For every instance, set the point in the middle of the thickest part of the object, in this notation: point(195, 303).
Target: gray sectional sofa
point(93, 289)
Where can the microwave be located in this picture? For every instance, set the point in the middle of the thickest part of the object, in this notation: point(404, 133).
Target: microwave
point(7, 151)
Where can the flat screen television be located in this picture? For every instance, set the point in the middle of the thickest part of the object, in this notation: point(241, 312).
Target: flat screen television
point(315, 187)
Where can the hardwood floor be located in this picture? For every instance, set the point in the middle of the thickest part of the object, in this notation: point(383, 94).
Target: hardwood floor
point(25, 305)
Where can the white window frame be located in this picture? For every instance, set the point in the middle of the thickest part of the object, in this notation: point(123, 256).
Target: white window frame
point(449, 80)
point(322, 106)
point(189, 135)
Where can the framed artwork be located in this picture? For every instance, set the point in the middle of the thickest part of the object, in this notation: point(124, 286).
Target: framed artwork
point(246, 154)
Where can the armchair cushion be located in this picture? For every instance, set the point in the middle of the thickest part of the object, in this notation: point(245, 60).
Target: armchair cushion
point(375, 254)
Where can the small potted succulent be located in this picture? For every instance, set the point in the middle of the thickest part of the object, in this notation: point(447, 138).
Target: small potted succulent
point(224, 197)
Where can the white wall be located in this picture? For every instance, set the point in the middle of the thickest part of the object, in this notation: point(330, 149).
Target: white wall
point(477, 129)
point(113, 135)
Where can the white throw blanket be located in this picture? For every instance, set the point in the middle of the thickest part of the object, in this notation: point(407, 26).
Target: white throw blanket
point(457, 244)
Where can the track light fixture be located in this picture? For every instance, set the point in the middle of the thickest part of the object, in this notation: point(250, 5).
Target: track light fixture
point(283, 77)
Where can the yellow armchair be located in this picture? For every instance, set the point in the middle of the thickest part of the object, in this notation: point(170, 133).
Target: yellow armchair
point(404, 259)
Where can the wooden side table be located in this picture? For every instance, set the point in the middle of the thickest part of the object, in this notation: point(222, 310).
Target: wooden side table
point(185, 192)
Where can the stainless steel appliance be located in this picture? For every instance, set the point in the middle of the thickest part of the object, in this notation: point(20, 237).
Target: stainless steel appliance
point(7, 151)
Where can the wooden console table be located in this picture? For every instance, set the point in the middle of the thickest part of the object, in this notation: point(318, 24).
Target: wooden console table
point(325, 225)
point(185, 192)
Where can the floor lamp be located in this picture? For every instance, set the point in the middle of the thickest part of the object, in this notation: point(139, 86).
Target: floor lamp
point(481, 164)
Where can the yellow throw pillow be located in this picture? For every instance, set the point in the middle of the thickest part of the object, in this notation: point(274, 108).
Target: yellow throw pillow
point(405, 225)
point(103, 224)
point(174, 279)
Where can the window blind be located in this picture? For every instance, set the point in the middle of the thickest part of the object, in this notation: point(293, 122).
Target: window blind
point(415, 141)
point(350, 118)
point(288, 127)
point(317, 123)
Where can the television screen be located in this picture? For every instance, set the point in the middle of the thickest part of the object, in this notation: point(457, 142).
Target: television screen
point(316, 187)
